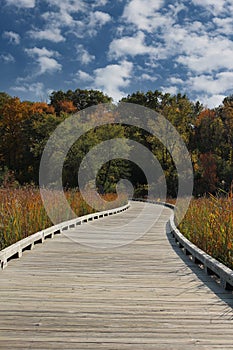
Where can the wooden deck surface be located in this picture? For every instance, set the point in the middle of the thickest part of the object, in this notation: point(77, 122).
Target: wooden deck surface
point(145, 295)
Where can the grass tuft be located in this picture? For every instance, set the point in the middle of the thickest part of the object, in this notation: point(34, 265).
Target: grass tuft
point(208, 223)
point(22, 212)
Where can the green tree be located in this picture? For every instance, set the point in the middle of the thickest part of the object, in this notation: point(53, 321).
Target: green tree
point(81, 99)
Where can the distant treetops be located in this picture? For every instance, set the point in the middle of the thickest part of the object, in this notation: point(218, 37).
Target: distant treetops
point(208, 133)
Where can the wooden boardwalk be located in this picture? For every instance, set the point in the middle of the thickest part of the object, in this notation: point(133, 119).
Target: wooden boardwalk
point(145, 295)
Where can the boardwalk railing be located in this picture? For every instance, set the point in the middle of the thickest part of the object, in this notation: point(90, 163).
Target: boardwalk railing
point(16, 250)
point(210, 265)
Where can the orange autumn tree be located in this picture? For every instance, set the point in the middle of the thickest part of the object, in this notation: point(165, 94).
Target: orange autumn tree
point(67, 107)
point(18, 135)
point(13, 115)
point(41, 107)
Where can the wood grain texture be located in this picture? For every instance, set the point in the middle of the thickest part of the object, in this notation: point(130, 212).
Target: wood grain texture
point(141, 296)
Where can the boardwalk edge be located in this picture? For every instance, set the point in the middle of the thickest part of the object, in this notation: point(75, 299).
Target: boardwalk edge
point(210, 265)
point(16, 250)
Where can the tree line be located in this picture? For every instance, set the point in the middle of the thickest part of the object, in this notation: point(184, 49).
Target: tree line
point(25, 127)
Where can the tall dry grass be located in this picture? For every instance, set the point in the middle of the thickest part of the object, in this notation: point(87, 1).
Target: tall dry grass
point(208, 223)
point(22, 212)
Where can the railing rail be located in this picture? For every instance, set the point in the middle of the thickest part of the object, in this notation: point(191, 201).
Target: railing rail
point(16, 250)
point(210, 265)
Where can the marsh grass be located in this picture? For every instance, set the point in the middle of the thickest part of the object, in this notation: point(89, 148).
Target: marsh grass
point(208, 223)
point(22, 212)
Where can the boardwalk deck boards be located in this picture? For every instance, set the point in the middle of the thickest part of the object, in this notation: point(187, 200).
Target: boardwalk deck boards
point(141, 296)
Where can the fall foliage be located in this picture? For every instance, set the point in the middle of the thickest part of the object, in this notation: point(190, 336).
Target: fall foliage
point(208, 134)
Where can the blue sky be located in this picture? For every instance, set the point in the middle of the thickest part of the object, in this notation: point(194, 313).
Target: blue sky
point(117, 47)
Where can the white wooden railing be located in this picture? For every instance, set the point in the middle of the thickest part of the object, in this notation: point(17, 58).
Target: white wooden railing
point(210, 265)
point(16, 250)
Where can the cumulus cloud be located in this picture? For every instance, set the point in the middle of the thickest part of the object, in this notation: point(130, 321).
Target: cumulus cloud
point(65, 15)
point(13, 37)
point(113, 78)
point(83, 55)
point(83, 76)
point(99, 18)
point(128, 45)
point(198, 50)
point(146, 76)
point(22, 3)
point(173, 90)
point(41, 52)
point(7, 58)
point(44, 58)
point(51, 34)
point(59, 19)
point(48, 65)
point(175, 80)
point(214, 6)
point(70, 6)
point(220, 83)
point(144, 14)
point(224, 25)
point(173, 45)
point(211, 101)
point(37, 89)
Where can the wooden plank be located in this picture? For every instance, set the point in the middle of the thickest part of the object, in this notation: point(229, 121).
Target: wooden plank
point(144, 295)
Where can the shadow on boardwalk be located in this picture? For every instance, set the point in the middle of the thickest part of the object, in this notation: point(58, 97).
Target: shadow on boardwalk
point(210, 282)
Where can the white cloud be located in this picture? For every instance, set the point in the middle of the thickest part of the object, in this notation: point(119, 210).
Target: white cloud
point(99, 18)
point(212, 60)
point(175, 80)
point(192, 44)
point(13, 37)
point(177, 7)
point(7, 58)
point(211, 101)
point(64, 14)
point(41, 52)
point(48, 65)
point(51, 34)
point(100, 3)
point(132, 46)
point(191, 51)
point(214, 6)
point(173, 90)
point(218, 84)
point(83, 55)
point(112, 78)
point(198, 50)
point(144, 14)
point(83, 76)
point(59, 19)
point(45, 60)
point(224, 25)
point(37, 89)
point(146, 76)
point(95, 21)
point(70, 6)
point(22, 3)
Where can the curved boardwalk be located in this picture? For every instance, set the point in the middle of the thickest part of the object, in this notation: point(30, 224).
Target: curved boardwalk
point(141, 296)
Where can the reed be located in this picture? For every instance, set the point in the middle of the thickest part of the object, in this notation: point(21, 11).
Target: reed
point(208, 223)
point(22, 212)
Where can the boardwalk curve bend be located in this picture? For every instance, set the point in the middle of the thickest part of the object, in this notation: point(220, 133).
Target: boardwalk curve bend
point(141, 296)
